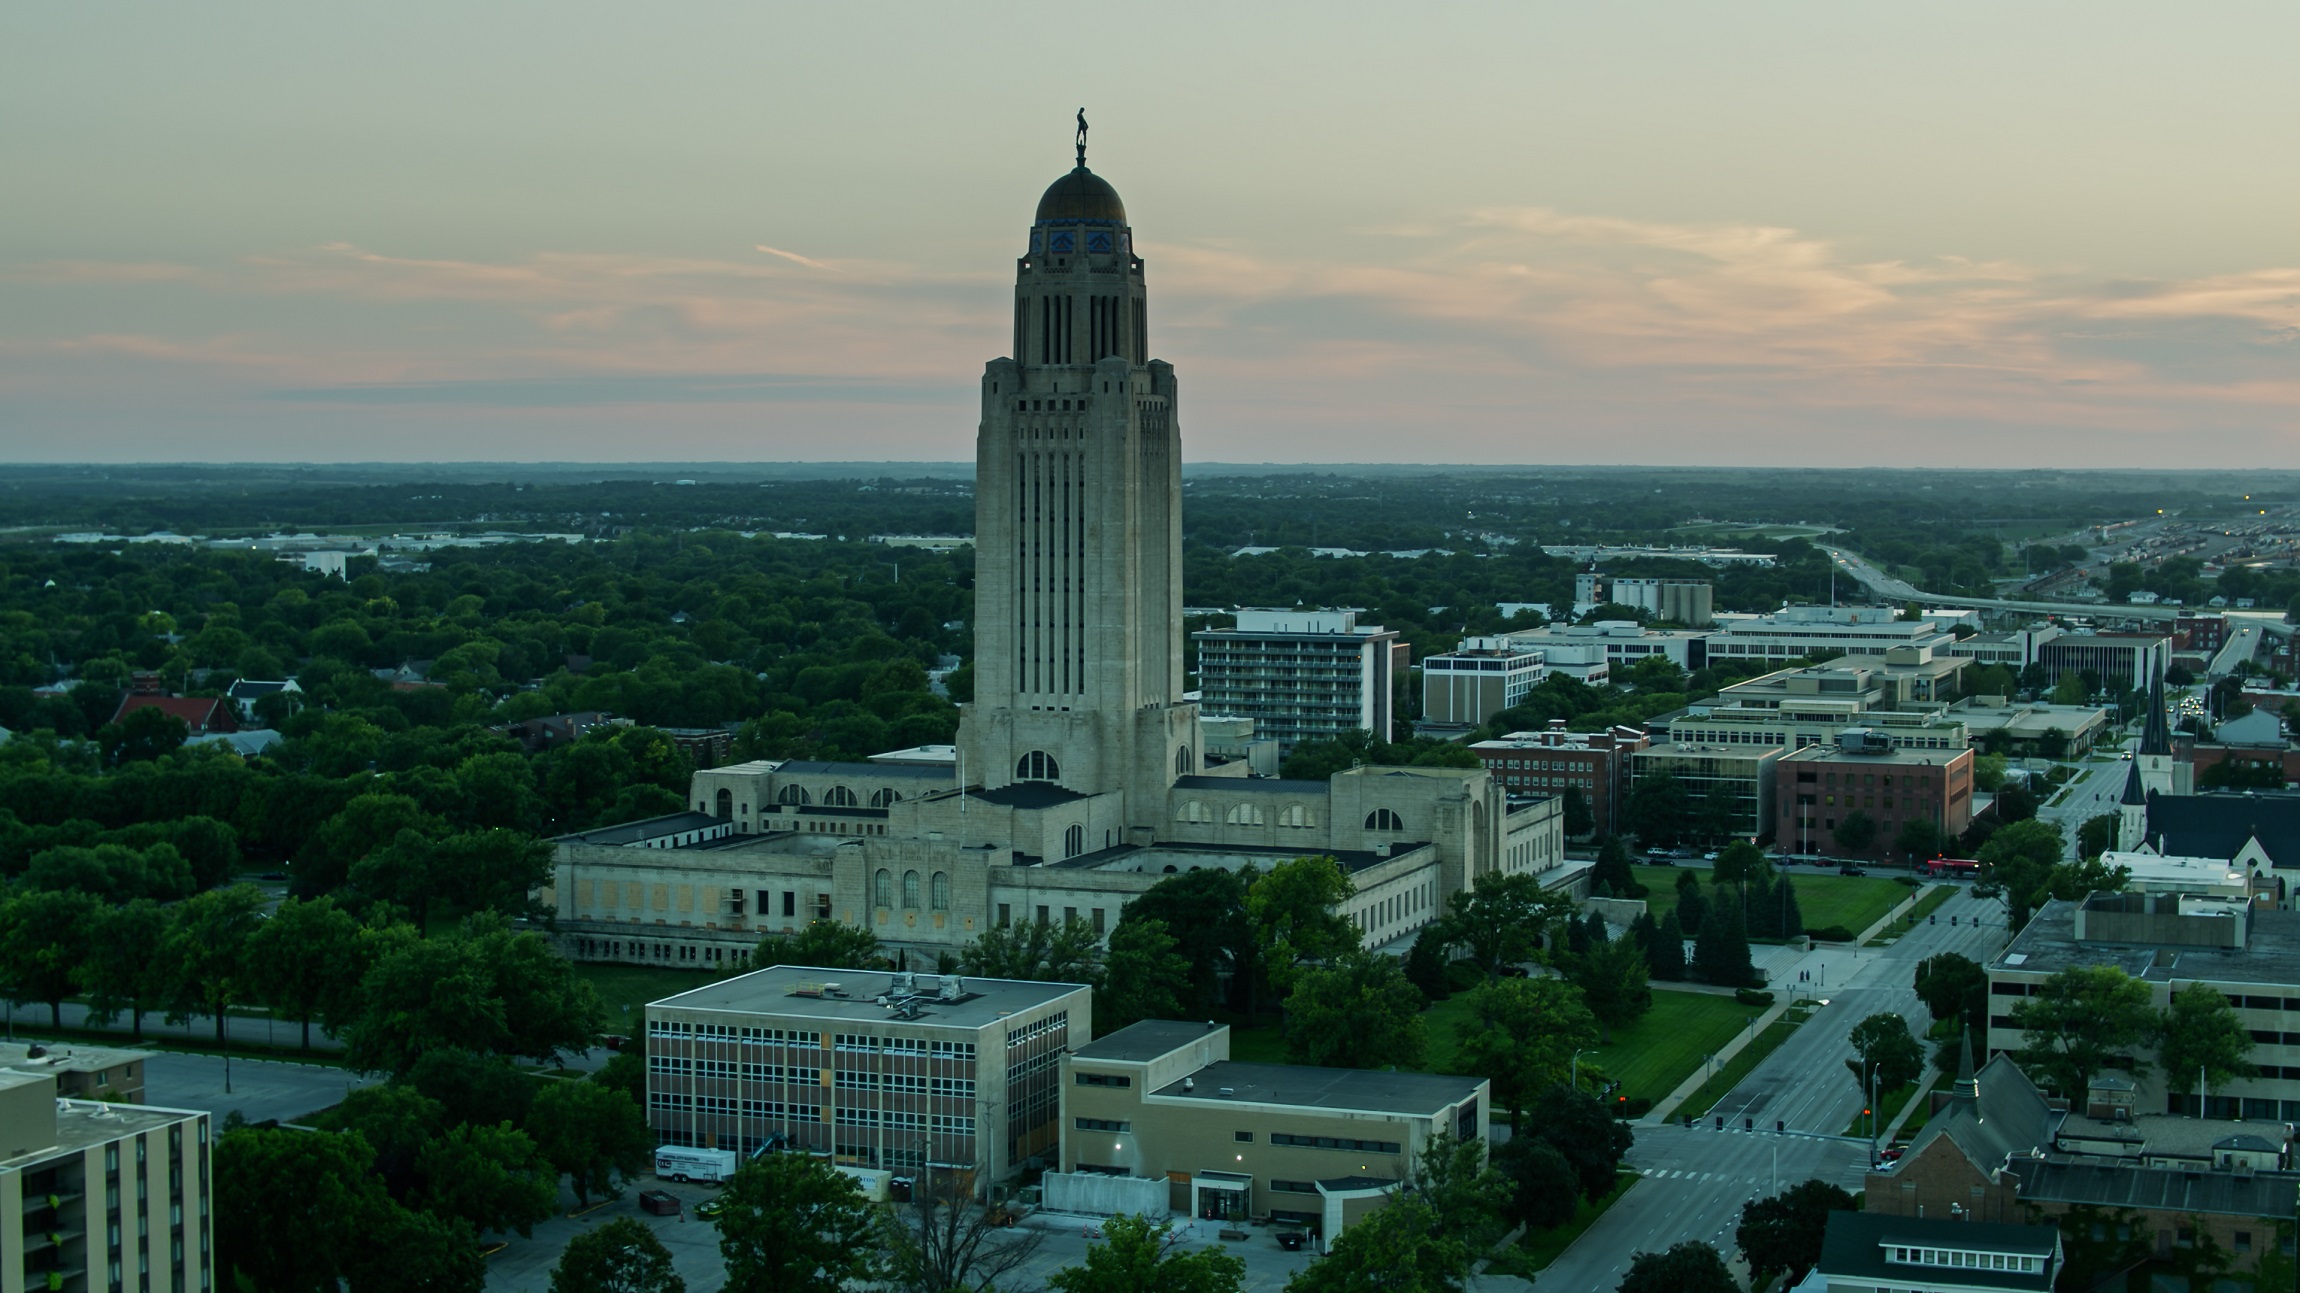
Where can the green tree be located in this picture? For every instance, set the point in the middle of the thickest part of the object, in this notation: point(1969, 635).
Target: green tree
point(1611, 874)
point(44, 943)
point(1399, 1248)
point(1668, 951)
point(1739, 863)
point(2079, 1021)
point(2069, 690)
point(404, 871)
point(1358, 1012)
point(1579, 820)
point(1918, 839)
point(2201, 1037)
point(1521, 1035)
point(1855, 831)
point(304, 958)
point(143, 735)
point(1468, 1196)
point(120, 975)
point(492, 870)
point(1657, 810)
point(482, 1090)
point(493, 1177)
point(1690, 1267)
point(1613, 979)
point(1781, 1235)
point(418, 1252)
point(205, 951)
point(2097, 835)
point(1953, 987)
point(823, 944)
point(1580, 1127)
point(795, 1224)
point(1547, 1194)
point(1036, 951)
point(1143, 976)
point(591, 1133)
point(1501, 920)
point(484, 988)
point(622, 1256)
point(397, 1123)
point(292, 1208)
point(1294, 913)
point(1205, 911)
point(1721, 950)
point(2016, 866)
point(1136, 1256)
point(1885, 1055)
point(1692, 908)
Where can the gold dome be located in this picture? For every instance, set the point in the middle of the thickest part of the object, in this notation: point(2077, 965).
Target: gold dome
point(1081, 195)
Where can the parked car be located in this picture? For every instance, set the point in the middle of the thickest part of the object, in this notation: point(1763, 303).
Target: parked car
point(1850, 869)
point(710, 1208)
point(1292, 1240)
point(660, 1203)
point(1710, 856)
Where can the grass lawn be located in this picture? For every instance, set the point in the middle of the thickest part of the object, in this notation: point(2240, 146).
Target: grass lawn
point(1739, 1067)
point(1538, 1249)
point(1854, 902)
point(633, 986)
point(1652, 1056)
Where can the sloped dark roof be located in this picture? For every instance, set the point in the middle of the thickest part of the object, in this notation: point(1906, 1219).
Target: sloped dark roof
point(2217, 826)
point(2156, 737)
point(2068, 1180)
point(2134, 792)
point(1853, 1249)
point(2008, 1117)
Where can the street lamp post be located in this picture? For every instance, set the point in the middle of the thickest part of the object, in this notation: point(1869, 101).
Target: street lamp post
point(1574, 1081)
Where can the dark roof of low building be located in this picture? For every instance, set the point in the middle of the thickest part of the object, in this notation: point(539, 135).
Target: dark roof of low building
point(2129, 1185)
point(1853, 1248)
point(2009, 1116)
point(1254, 785)
point(1029, 794)
point(651, 828)
point(1146, 1040)
point(880, 771)
point(1349, 860)
point(2218, 826)
point(1422, 1094)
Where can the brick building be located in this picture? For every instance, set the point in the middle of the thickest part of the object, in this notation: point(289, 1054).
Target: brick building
point(1552, 761)
point(1818, 787)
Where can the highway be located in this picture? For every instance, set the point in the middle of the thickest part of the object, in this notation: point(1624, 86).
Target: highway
point(2255, 623)
point(1695, 1181)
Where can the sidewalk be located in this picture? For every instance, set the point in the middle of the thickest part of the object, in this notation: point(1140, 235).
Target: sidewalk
point(1668, 1104)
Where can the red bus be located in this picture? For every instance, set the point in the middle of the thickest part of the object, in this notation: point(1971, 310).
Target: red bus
point(1950, 868)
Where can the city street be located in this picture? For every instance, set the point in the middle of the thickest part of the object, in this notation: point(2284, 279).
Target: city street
point(2096, 790)
point(1696, 1180)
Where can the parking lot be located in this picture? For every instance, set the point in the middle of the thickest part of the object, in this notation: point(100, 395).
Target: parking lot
point(524, 1265)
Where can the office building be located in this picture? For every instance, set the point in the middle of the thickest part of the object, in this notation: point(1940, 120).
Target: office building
point(2249, 953)
point(2122, 661)
point(1823, 630)
point(1741, 774)
point(1551, 762)
point(1819, 787)
point(98, 1195)
point(1689, 604)
point(1864, 1253)
point(1622, 643)
point(906, 1072)
point(1159, 1116)
point(1467, 686)
point(1302, 675)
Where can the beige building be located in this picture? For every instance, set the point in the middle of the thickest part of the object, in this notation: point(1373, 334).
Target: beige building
point(901, 1072)
point(1159, 1115)
point(97, 1195)
point(82, 1072)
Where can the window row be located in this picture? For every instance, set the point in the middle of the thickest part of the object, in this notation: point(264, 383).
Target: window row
point(882, 890)
point(1336, 1142)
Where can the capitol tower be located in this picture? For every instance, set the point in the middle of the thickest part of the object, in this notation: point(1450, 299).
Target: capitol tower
point(1078, 594)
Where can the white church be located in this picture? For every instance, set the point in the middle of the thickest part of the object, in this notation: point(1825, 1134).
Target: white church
point(1080, 777)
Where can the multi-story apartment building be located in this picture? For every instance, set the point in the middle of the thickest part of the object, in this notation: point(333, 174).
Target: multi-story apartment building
point(1690, 604)
point(1301, 675)
point(2248, 953)
point(2122, 661)
point(99, 1195)
point(909, 1072)
point(1818, 787)
point(1553, 761)
point(1162, 1107)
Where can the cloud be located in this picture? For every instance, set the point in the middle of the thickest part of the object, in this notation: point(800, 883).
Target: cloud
point(580, 392)
point(795, 258)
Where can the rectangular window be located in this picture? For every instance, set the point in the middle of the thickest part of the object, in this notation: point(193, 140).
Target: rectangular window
point(1104, 1079)
point(1293, 1187)
point(1242, 1137)
point(1103, 1124)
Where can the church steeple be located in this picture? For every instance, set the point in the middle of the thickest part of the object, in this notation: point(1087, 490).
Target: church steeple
point(2156, 735)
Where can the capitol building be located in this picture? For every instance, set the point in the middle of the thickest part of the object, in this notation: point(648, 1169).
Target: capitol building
point(1080, 776)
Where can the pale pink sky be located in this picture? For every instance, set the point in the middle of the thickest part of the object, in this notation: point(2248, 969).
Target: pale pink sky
point(1949, 234)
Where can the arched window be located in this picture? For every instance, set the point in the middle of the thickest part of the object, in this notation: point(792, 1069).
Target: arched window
point(910, 890)
point(726, 805)
point(882, 887)
point(1382, 819)
point(1295, 816)
point(793, 794)
point(840, 797)
point(1243, 815)
point(1193, 811)
point(1073, 841)
point(942, 891)
point(1037, 765)
point(1182, 762)
point(884, 798)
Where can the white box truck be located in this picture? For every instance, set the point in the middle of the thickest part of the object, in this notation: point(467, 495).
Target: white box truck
point(710, 1166)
